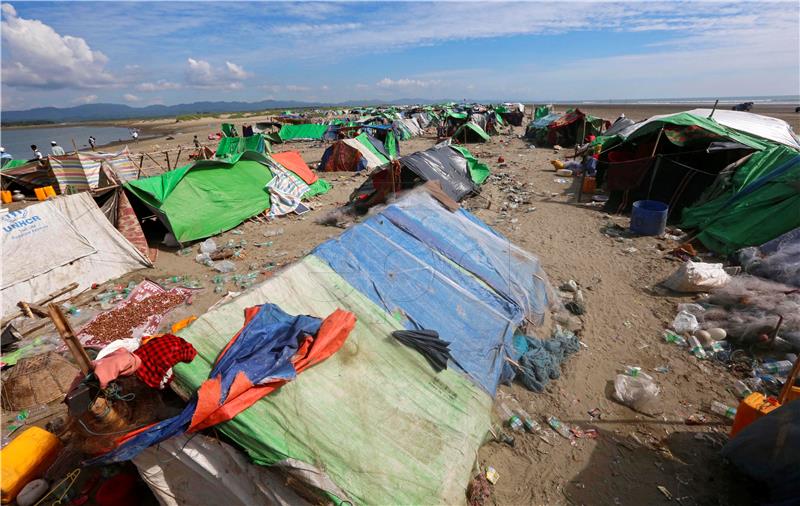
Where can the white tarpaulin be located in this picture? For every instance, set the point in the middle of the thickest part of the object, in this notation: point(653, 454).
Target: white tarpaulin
point(68, 239)
point(197, 469)
point(372, 160)
point(412, 126)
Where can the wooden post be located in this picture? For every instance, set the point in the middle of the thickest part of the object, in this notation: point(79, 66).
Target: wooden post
point(75, 146)
point(166, 155)
point(178, 157)
point(65, 331)
point(141, 165)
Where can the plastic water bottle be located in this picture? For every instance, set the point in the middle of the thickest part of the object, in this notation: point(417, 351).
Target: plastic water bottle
point(512, 420)
point(672, 337)
point(723, 410)
point(780, 368)
point(529, 423)
point(741, 389)
point(559, 427)
point(696, 349)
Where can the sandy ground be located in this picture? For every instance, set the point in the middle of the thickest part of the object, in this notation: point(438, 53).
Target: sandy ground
point(634, 453)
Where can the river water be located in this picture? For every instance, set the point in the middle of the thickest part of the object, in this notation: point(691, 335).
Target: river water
point(17, 141)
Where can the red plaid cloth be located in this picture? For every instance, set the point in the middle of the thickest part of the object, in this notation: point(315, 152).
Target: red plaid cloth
point(159, 355)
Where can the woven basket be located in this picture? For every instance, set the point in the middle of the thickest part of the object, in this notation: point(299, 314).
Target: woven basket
point(37, 380)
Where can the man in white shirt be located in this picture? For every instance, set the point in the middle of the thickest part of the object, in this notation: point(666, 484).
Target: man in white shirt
point(55, 149)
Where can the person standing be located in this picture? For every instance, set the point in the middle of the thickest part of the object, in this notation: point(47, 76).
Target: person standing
point(196, 142)
point(135, 135)
point(55, 149)
point(92, 142)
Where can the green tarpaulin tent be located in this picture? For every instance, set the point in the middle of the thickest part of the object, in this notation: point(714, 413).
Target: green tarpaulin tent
point(470, 132)
point(230, 146)
point(301, 132)
point(760, 202)
point(207, 197)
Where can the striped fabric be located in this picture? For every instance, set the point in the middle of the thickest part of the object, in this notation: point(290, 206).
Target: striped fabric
point(82, 171)
point(286, 191)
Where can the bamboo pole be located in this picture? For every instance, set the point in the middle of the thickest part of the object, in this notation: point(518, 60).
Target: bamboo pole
point(68, 336)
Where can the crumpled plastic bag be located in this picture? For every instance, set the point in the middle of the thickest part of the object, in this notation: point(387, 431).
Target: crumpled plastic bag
point(638, 393)
point(208, 246)
point(692, 277)
point(685, 322)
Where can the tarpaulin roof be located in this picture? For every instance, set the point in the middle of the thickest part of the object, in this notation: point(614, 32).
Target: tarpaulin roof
point(683, 120)
point(299, 132)
point(761, 203)
point(478, 171)
point(463, 133)
point(207, 197)
point(49, 245)
point(230, 146)
point(333, 421)
point(443, 164)
point(293, 161)
point(446, 271)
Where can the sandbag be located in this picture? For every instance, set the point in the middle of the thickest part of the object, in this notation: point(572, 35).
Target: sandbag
point(694, 277)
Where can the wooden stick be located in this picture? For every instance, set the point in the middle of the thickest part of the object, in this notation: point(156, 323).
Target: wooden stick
point(178, 157)
point(65, 331)
point(74, 146)
point(45, 300)
point(166, 155)
point(154, 161)
point(141, 164)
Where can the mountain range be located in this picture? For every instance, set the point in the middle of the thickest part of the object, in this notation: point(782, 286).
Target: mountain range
point(102, 112)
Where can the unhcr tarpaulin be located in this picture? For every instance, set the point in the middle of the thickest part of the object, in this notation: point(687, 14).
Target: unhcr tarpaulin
point(68, 239)
point(435, 269)
point(373, 424)
point(309, 131)
point(761, 203)
point(207, 197)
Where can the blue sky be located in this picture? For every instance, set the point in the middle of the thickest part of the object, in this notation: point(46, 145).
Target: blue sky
point(68, 53)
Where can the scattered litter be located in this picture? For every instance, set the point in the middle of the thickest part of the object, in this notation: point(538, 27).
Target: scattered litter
point(662, 369)
point(561, 180)
point(638, 393)
point(561, 429)
point(684, 323)
point(631, 250)
point(692, 277)
point(595, 413)
point(492, 475)
point(695, 419)
point(663, 490)
point(273, 233)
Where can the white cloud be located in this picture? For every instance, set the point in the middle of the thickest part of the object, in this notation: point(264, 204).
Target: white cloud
point(361, 86)
point(296, 87)
point(236, 70)
point(129, 97)
point(406, 83)
point(87, 99)
point(38, 56)
point(324, 87)
point(158, 86)
point(201, 74)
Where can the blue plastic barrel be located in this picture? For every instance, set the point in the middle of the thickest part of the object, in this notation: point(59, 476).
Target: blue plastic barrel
point(649, 217)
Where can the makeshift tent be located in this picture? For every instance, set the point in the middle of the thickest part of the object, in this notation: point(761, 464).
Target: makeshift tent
point(206, 197)
point(359, 153)
point(537, 130)
point(309, 131)
point(761, 203)
point(436, 269)
point(470, 132)
point(443, 163)
point(574, 127)
point(673, 158)
point(721, 122)
point(231, 146)
point(425, 454)
point(49, 245)
point(293, 161)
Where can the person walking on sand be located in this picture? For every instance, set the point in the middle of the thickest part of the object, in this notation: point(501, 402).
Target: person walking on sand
point(92, 142)
point(135, 135)
point(55, 149)
point(196, 142)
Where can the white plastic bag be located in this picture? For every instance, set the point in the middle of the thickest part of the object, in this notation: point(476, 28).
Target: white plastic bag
point(697, 277)
point(685, 322)
point(638, 393)
point(208, 246)
point(225, 266)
